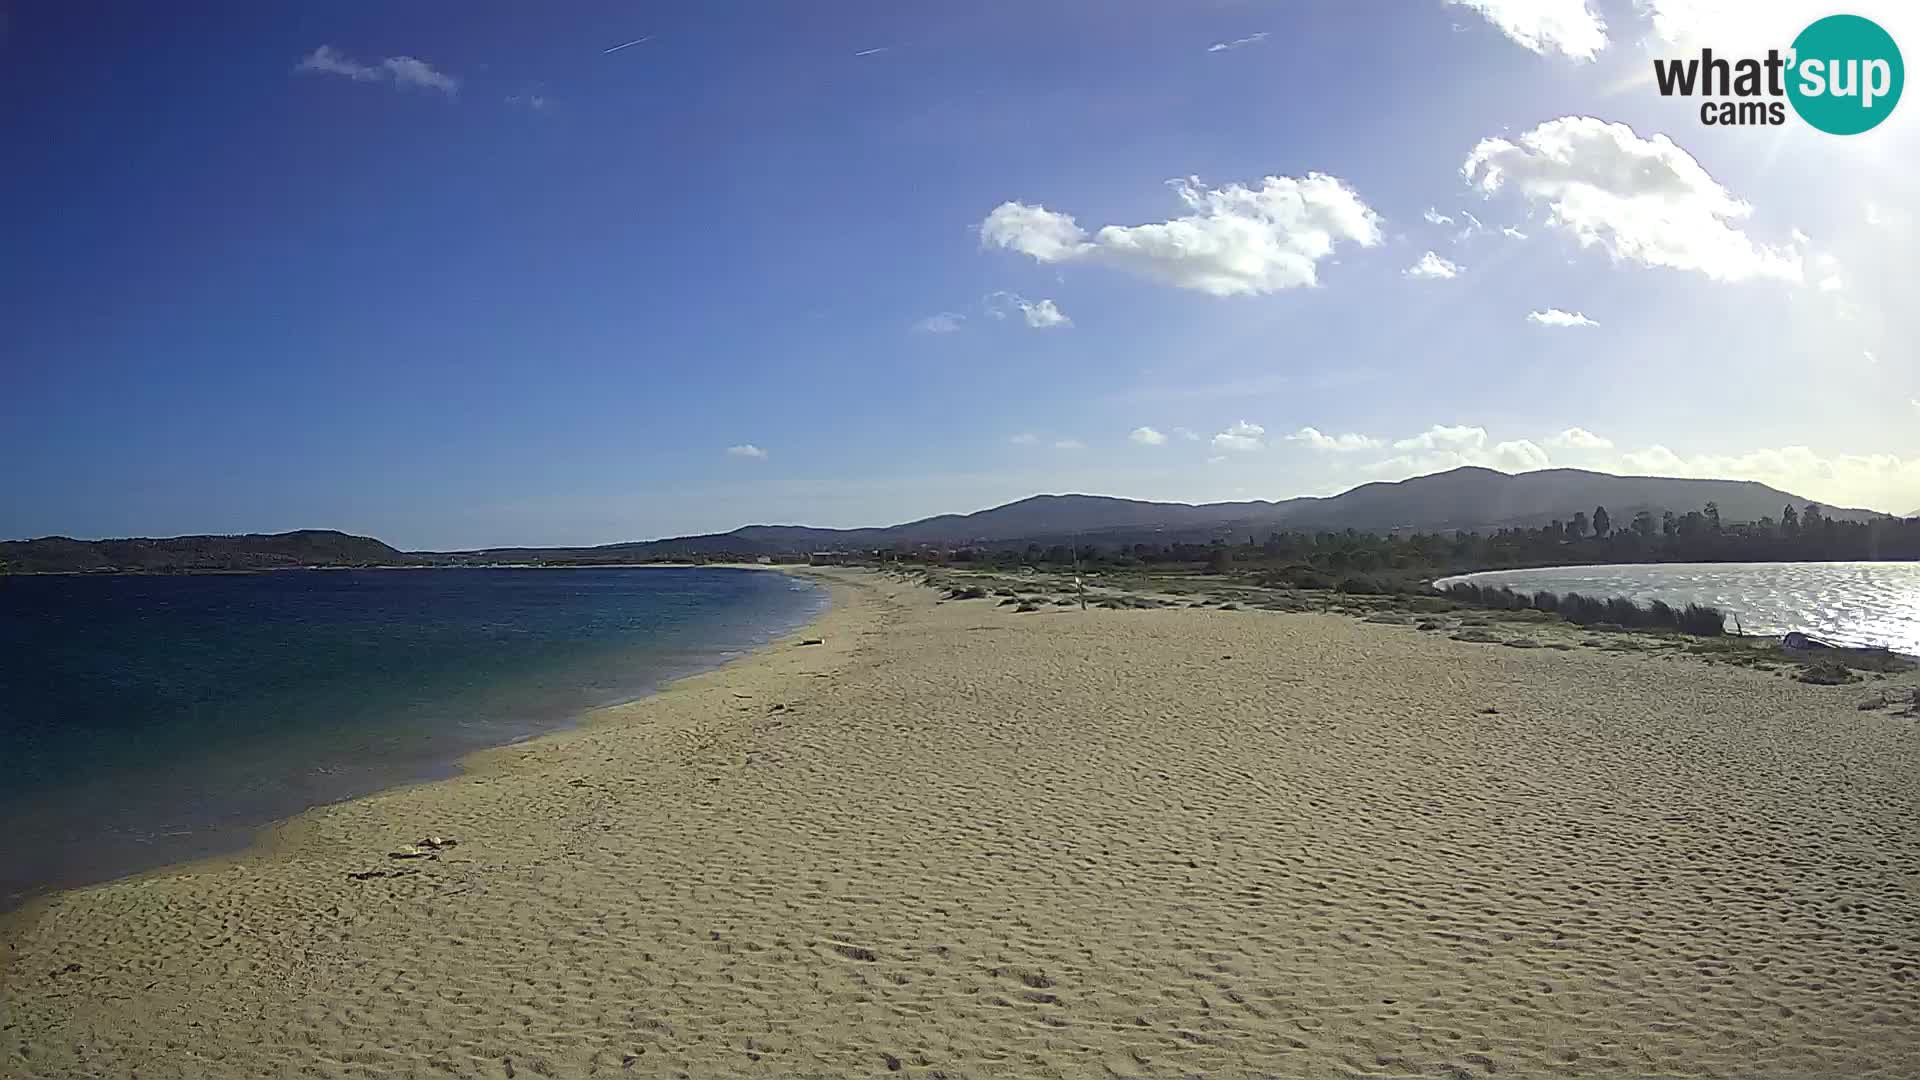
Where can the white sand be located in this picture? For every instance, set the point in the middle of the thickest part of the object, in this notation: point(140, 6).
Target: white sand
point(962, 841)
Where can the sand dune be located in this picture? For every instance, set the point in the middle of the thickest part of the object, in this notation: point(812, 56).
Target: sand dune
point(959, 841)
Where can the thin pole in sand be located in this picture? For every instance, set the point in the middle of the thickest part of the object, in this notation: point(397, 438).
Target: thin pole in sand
point(1078, 583)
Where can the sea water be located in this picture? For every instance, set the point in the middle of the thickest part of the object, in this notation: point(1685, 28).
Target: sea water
point(150, 719)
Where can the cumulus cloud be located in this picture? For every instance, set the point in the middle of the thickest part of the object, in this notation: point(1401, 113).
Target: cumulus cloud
point(1729, 27)
point(1553, 316)
point(1644, 201)
point(1512, 233)
point(946, 322)
point(1518, 455)
point(747, 450)
point(1237, 241)
point(1238, 43)
point(1881, 481)
point(1044, 315)
point(1435, 217)
point(1872, 480)
point(1568, 27)
point(1147, 436)
point(1445, 437)
point(1242, 436)
point(400, 70)
point(1345, 443)
point(1432, 267)
point(1579, 438)
point(1025, 438)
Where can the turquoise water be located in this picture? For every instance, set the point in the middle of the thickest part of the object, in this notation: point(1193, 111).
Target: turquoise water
point(1849, 603)
point(150, 719)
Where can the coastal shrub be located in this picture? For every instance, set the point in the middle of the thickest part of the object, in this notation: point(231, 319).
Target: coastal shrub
point(1297, 576)
point(1028, 606)
point(971, 592)
point(1625, 612)
point(1704, 621)
point(1359, 585)
point(1612, 613)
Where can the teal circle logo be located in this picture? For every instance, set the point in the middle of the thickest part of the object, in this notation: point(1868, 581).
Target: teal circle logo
point(1847, 74)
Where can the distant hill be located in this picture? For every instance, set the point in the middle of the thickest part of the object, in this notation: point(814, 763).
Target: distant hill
point(253, 551)
point(1461, 499)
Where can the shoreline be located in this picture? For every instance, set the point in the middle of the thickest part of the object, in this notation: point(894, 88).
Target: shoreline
point(270, 839)
point(958, 839)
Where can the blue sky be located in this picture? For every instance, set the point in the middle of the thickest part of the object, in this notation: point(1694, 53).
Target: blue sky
point(456, 275)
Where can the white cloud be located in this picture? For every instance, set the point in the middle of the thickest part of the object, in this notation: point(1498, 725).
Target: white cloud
point(536, 102)
point(1519, 455)
point(327, 60)
point(1877, 214)
point(1242, 436)
point(1882, 481)
point(1025, 438)
point(1867, 355)
point(1344, 443)
point(410, 72)
point(1568, 27)
point(1730, 27)
point(1147, 436)
point(1445, 437)
point(1432, 266)
point(1186, 433)
point(1871, 480)
point(1435, 217)
point(1553, 316)
point(1238, 240)
point(1579, 438)
point(1238, 43)
point(1217, 459)
point(747, 450)
point(1644, 201)
point(1512, 233)
point(1069, 444)
point(1044, 315)
point(401, 70)
point(945, 322)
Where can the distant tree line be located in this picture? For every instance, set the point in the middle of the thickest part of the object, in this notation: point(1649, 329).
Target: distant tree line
point(1364, 561)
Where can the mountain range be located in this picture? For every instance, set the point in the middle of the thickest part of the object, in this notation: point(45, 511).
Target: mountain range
point(1460, 499)
point(1466, 498)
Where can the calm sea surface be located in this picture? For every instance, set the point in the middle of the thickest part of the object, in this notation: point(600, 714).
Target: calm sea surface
point(145, 720)
point(1850, 603)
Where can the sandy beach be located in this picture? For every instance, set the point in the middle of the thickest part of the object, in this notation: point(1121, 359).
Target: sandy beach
point(954, 840)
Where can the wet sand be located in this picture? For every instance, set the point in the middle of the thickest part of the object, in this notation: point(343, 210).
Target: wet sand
point(953, 840)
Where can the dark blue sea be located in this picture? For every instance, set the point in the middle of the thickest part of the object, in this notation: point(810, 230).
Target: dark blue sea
point(150, 719)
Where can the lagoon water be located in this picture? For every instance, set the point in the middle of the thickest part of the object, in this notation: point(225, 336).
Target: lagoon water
point(1850, 603)
point(150, 719)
